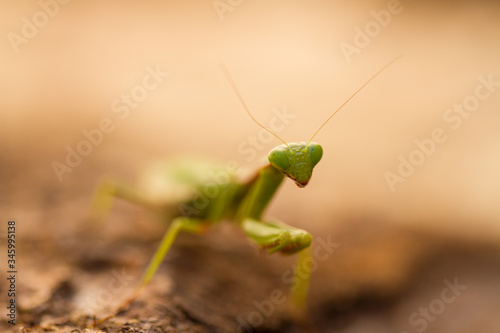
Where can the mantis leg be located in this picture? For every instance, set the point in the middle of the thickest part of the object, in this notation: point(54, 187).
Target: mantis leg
point(106, 191)
point(276, 236)
point(186, 224)
point(300, 290)
point(178, 224)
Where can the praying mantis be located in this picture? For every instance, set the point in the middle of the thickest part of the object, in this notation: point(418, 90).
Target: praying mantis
point(202, 202)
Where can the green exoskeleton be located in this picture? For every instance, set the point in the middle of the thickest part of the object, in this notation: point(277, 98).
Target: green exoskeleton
point(201, 202)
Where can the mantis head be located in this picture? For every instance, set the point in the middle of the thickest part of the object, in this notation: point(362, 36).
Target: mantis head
point(296, 160)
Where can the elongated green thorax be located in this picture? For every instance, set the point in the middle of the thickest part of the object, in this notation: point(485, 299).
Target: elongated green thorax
point(297, 160)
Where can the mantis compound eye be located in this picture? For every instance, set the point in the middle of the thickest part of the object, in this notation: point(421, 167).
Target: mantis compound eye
point(316, 152)
point(279, 159)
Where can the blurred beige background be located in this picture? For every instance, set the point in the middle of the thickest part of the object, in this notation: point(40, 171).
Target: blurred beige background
point(65, 78)
point(66, 68)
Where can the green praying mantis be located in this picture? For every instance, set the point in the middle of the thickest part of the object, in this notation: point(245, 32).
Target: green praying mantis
point(201, 202)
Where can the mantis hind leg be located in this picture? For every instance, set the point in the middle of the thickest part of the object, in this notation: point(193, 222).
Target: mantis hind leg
point(106, 191)
point(277, 236)
point(186, 224)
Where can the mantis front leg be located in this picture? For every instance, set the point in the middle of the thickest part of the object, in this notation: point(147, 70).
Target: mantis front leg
point(274, 237)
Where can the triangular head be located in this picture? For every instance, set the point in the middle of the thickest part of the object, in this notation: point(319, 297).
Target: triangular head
point(296, 160)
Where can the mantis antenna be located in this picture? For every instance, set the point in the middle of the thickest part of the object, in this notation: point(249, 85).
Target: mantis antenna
point(357, 91)
point(237, 92)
